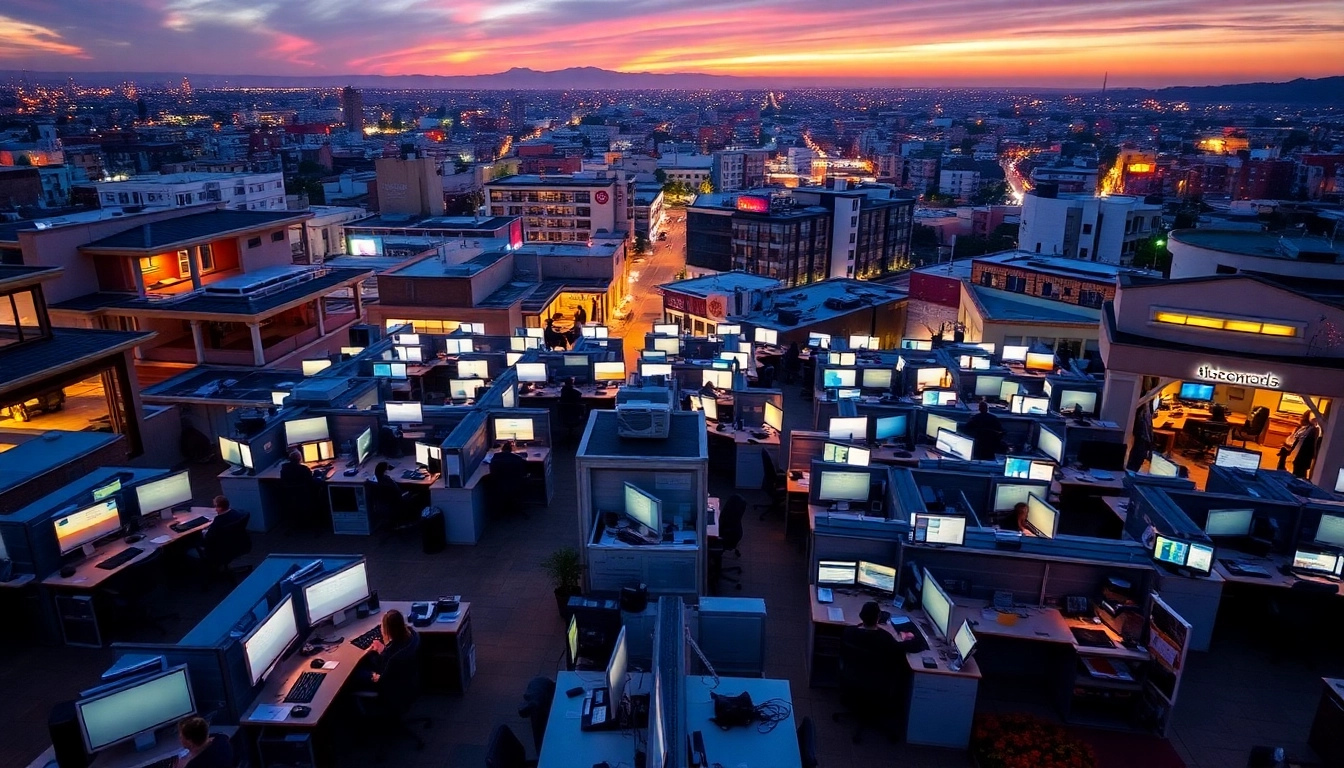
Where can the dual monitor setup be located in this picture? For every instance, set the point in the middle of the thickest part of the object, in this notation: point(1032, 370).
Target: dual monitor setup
point(329, 595)
point(886, 429)
point(539, 373)
point(881, 580)
point(1042, 519)
point(83, 525)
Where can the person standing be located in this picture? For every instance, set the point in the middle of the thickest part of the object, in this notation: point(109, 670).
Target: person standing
point(987, 433)
point(1301, 446)
point(1143, 438)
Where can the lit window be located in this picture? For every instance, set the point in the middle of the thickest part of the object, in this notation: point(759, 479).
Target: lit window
point(1234, 324)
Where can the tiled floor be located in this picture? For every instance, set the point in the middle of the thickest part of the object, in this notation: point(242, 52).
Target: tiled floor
point(1231, 699)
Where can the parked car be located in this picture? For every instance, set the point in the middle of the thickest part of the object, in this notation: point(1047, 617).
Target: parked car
point(48, 402)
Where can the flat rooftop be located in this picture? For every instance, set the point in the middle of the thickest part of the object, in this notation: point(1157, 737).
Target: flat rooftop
point(205, 382)
point(1062, 266)
point(186, 177)
point(551, 180)
point(432, 266)
point(722, 282)
point(166, 233)
point(1009, 306)
point(67, 348)
point(453, 223)
point(809, 301)
point(44, 452)
point(1268, 245)
point(204, 302)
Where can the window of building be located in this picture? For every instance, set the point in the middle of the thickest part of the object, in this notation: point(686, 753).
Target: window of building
point(1283, 328)
point(1038, 247)
point(1088, 298)
point(207, 258)
point(1082, 253)
point(1087, 229)
point(1047, 289)
point(19, 321)
point(253, 242)
point(853, 237)
point(1016, 284)
point(987, 279)
point(277, 236)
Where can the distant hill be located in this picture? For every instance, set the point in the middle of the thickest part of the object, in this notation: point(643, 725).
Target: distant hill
point(1324, 90)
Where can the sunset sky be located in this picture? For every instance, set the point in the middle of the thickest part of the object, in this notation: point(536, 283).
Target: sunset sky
point(904, 42)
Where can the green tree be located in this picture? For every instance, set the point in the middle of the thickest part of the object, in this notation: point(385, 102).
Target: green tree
point(660, 175)
point(990, 194)
point(642, 243)
point(706, 187)
point(1152, 253)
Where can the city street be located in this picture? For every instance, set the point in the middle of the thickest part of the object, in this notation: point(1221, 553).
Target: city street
point(646, 274)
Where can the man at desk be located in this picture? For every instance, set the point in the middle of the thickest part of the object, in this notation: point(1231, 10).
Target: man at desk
point(203, 749)
point(569, 393)
point(708, 390)
point(508, 472)
point(1217, 414)
point(986, 433)
point(295, 471)
point(871, 637)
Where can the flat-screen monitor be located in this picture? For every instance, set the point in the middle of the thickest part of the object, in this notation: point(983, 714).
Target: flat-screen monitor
point(364, 445)
point(1050, 444)
point(838, 377)
point(848, 393)
point(837, 572)
point(1318, 562)
point(514, 429)
point(937, 529)
point(1023, 468)
point(572, 640)
point(389, 370)
point(351, 351)
point(920, 345)
point(666, 329)
point(406, 339)
point(1200, 558)
point(644, 508)
point(1009, 495)
point(1229, 522)
point(1030, 405)
point(314, 367)
point(1161, 466)
point(266, 643)
point(1040, 361)
point(278, 397)
point(236, 453)
point(427, 454)
point(836, 485)
point(1330, 531)
point(934, 422)
point(523, 343)
point(653, 356)
point(107, 489)
point(848, 428)
point(532, 372)
point(616, 668)
point(1069, 399)
point(721, 365)
point(938, 398)
point(766, 336)
point(720, 379)
point(608, 371)
point(464, 389)
point(404, 413)
point(669, 345)
point(1013, 354)
point(322, 450)
point(411, 354)
point(865, 342)
point(964, 642)
point(306, 430)
point(773, 417)
point(164, 492)
point(735, 357)
point(1008, 389)
point(819, 340)
point(473, 369)
point(988, 386)
point(335, 592)
point(87, 525)
point(655, 369)
point(954, 444)
point(877, 576)
point(511, 358)
point(1236, 458)
point(877, 378)
point(929, 377)
point(836, 453)
point(936, 604)
point(1169, 550)
point(1102, 454)
point(458, 346)
point(891, 427)
point(1042, 519)
point(1339, 481)
point(1198, 393)
point(728, 329)
point(141, 706)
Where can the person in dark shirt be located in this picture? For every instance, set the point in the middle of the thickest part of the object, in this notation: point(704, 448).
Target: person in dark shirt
point(224, 515)
point(295, 471)
point(872, 637)
point(793, 363)
point(204, 750)
point(508, 462)
point(397, 636)
point(985, 429)
point(569, 393)
point(1217, 414)
point(1017, 520)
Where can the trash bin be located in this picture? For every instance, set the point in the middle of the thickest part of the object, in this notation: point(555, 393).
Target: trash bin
point(433, 534)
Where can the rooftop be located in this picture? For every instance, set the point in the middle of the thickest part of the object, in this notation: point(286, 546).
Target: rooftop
point(723, 282)
point(1267, 245)
point(1062, 266)
point(210, 301)
point(18, 275)
point(186, 177)
point(183, 230)
point(455, 223)
point(1009, 306)
point(436, 267)
point(9, 231)
point(809, 301)
point(206, 382)
point(41, 453)
point(67, 348)
point(552, 180)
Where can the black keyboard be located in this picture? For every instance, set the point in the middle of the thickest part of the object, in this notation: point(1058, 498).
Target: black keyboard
point(305, 688)
point(187, 525)
point(121, 558)
point(365, 641)
point(630, 537)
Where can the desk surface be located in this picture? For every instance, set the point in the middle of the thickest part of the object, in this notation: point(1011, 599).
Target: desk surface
point(588, 391)
point(567, 746)
point(88, 575)
point(1271, 563)
point(540, 455)
point(1119, 505)
point(777, 748)
point(338, 477)
point(166, 745)
point(742, 436)
point(1040, 624)
point(19, 580)
point(939, 649)
point(1174, 421)
point(1077, 477)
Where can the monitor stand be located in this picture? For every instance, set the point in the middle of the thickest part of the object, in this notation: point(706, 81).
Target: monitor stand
point(340, 619)
point(88, 550)
point(145, 742)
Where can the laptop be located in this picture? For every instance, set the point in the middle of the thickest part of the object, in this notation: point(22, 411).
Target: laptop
point(1321, 565)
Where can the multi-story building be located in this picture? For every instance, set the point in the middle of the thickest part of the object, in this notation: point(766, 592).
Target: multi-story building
point(1318, 175)
point(691, 170)
point(409, 186)
point(235, 191)
point(688, 302)
point(1265, 180)
point(568, 208)
point(1071, 179)
point(964, 178)
point(648, 199)
point(735, 169)
point(352, 109)
point(1087, 227)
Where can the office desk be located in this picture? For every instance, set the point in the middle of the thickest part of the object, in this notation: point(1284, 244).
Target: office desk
point(568, 746)
point(356, 521)
point(465, 508)
point(1272, 563)
point(1119, 505)
point(748, 470)
point(88, 576)
point(777, 748)
point(338, 476)
point(166, 745)
point(888, 454)
point(1075, 480)
point(542, 397)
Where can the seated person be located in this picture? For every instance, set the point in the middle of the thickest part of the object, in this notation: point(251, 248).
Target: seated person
point(869, 635)
point(569, 393)
point(295, 471)
point(1017, 519)
point(708, 390)
point(508, 473)
point(224, 516)
point(204, 750)
point(397, 637)
point(1217, 414)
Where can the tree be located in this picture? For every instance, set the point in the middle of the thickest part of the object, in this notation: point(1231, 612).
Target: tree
point(660, 175)
point(706, 187)
point(642, 243)
point(990, 194)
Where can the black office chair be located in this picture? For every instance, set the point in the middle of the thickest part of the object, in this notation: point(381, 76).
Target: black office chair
point(867, 685)
point(809, 372)
point(807, 743)
point(398, 688)
point(299, 500)
point(129, 589)
point(390, 511)
point(1254, 426)
point(1206, 435)
point(730, 535)
point(571, 417)
point(505, 750)
point(537, 707)
point(507, 486)
point(224, 543)
point(773, 484)
point(765, 377)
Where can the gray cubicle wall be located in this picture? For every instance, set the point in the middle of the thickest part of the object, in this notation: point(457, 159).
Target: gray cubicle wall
point(1151, 508)
point(464, 448)
point(974, 483)
point(880, 475)
point(1285, 516)
point(346, 425)
point(541, 423)
point(1265, 484)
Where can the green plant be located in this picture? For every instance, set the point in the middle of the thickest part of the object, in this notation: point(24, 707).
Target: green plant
point(564, 568)
point(1021, 741)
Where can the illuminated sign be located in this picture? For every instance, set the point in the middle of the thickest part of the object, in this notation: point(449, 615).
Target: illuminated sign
point(601, 197)
point(1211, 373)
point(1140, 168)
point(753, 204)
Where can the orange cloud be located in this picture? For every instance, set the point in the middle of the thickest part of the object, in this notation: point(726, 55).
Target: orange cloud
point(24, 39)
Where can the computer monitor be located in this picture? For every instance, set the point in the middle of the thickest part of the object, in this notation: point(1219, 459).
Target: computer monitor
point(837, 572)
point(721, 365)
point(306, 430)
point(335, 592)
point(964, 642)
point(1229, 522)
point(835, 453)
point(644, 508)
point(836, 485)
point(1050, 444)
point(404, 413)
point(135, 709)
point(648, 370)
point(773, 416)
point(427, 453)
point(1040, 361)
point(860, 341)
point(1042, 519)
point(532, 372)
point(1170, 551)
point(848, 428)
point(572, 641)
point(720, 379)
point(363, 445)
point(511, 358)
point(1008, 389)
point(106, 489)
point(740, 358)
point(608, 371)
point(411, 354)
point(314, 367)
point(766, 336)
point(1030, 405)
point(1009, 495)
point(848, 393)
point(321, 450)
point(928, 528)
point(891, 427)
point(936, 604)
point(523, 343)
point(1102, 454)
point(535, 333)
point(464, 389)
point(164, 493)
point(877, 378)
point(278, 397)
point(458, 346)
point(876, 576)
point(954, 444)
point(268, 640)
point(1236, 458)
point(406, 339)
point(1013, 354)
point(389, 370)
point(988, 386)
point(653, 356)
point(1069, 399)
point(838, 377)
point(616, 668)
point(1200, 558)
point(87, 525)
point(819, 340)
point(1324, 563)
point(1023, 468)
point(1161, 466)
point(920, 345)
point(514, 429)
point(929, 377)
point(1195, 393)
point(670, 345)
point(351, 351)
point(1330, 531)
point(931, 398)
point(980, 363)
point(933, 423)
point(473, 369)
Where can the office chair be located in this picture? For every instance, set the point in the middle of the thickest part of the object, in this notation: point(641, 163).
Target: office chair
point(730, 535)
point(507, 484)
point(389, 510)
point(537, 707)
point(571, 416)
point(223, 544)
point(807, 743)
point(398, 688)
point(867, 685)
point(772, 482)
point(765, 377)
point(1207, 435)
point(129, 591)
point(505, 750)
point(299, 498)
point(1254, 426)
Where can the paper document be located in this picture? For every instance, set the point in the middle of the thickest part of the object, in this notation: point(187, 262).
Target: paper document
point(160, 539)
point(270, 712)
point(835, 613)
point(331, 664)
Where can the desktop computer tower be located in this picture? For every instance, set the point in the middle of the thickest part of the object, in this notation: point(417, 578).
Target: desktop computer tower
point(66, 740)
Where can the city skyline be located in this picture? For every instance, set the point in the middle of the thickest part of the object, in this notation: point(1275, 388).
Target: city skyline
point(924, 42)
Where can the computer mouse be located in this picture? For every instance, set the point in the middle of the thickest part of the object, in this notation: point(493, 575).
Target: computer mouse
point(299, 710)
point(351, 472)
point(134, 537)
point(67, 571)
point(317, 663)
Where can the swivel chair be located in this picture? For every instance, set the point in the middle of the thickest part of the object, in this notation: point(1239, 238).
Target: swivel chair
point(807, 743)
point(571, 417)
point(537, 707)
point(398, 688)
point(1254, 426)
point(299, 499)
point(867, 686)
point(224, 543)
point(505, 750)
point(730, 535)
point(772, 482)
point(1207, 435)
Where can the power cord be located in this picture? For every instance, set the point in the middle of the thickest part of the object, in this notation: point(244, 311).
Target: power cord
point(771, 713)
point(695, 647)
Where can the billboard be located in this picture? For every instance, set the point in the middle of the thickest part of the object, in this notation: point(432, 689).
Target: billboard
point(753, 204)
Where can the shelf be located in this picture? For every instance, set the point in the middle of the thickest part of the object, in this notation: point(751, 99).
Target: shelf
point(1088, 681)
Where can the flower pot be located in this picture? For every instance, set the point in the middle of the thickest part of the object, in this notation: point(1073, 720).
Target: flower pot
point(562, 595)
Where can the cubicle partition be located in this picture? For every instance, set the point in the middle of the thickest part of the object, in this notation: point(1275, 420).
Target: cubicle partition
point(1265, 483)
point(1279, 519)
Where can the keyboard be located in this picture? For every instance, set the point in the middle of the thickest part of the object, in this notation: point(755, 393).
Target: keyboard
point(305, 688)
point(630, 537)
point(365, 641)
point(1245, 569)
point(121, 558)
point(187, 525)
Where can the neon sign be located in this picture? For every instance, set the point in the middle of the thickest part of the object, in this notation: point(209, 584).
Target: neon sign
point(1212, 373)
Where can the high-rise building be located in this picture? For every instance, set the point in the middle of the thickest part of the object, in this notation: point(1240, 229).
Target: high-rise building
point(352, 109)
point(1087, 227)
point(410, 186)
point(734, 169)
point(563, 208)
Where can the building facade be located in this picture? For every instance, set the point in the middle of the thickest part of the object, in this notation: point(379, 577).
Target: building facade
point(235, 191)
point(566, 208)
point(1088, 227)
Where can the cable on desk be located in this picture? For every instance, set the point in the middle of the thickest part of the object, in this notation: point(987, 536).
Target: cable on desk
point(770, 713)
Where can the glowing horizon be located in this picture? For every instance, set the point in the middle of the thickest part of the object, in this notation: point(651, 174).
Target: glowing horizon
point(1054, 43)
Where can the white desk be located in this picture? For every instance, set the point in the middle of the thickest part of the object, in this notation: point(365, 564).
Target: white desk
point(777, 748)
point(568, 746)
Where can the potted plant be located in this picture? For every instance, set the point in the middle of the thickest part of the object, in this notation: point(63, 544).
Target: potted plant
point(564, 568)
point(1022, 741)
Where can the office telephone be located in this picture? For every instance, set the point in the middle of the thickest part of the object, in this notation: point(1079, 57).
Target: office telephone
point(1076, 607)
